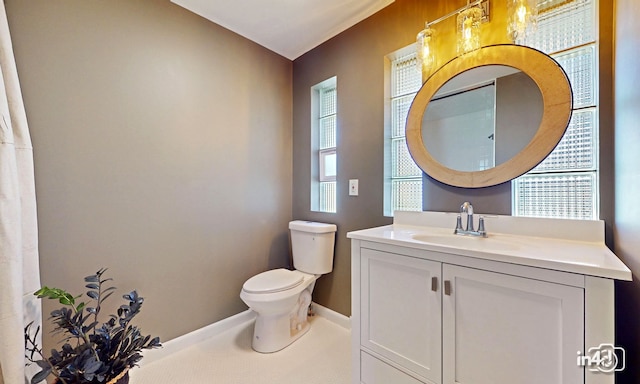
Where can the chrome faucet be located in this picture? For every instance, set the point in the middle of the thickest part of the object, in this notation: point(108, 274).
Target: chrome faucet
point(467, 209)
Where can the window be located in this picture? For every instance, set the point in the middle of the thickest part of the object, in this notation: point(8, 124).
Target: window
point(565, 184)
point(324, 158)
point(403, 178)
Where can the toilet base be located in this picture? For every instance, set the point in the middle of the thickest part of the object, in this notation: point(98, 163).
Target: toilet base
point(275, 332)
point(270, 341)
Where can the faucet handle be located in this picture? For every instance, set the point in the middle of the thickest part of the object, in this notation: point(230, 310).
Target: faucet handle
point(481, 229)
point(458, 224)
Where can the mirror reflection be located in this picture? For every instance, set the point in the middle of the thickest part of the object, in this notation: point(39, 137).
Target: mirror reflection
point(482, 118)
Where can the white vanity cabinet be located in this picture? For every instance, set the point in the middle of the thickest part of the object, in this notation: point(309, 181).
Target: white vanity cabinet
point(425, 313)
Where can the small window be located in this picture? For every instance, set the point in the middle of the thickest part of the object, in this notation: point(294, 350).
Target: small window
point(328, 165)
point(324, 157)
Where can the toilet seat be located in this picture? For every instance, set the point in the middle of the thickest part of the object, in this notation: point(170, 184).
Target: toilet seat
point(275, 280)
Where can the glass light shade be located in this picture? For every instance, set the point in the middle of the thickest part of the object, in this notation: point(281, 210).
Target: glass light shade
point(468, 30)
point(522, 18)
point(426, 62)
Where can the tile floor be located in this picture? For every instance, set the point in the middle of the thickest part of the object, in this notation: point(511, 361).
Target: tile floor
point(322, 356)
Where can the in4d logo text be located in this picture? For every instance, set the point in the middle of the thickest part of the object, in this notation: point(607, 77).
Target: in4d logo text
point(603, 358)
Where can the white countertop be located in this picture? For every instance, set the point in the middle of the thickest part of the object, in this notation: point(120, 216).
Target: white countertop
point(580, 252)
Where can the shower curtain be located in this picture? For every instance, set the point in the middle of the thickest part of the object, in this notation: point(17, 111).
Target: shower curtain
point(19, 267)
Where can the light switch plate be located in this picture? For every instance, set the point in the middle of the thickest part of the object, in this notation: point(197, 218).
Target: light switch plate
point(353, 187)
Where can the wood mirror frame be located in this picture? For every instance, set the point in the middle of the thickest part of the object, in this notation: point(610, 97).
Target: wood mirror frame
point(557, 102)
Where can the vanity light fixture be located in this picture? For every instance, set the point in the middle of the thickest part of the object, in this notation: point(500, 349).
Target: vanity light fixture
point(522, 17)
point(468, 22)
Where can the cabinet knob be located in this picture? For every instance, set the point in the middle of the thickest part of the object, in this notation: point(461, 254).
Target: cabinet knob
point(434, 284)
point(447, 287)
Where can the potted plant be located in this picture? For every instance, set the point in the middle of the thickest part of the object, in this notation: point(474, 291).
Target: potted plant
point(93, 351)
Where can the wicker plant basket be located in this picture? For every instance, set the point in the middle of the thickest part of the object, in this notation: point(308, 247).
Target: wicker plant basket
point(122, 378)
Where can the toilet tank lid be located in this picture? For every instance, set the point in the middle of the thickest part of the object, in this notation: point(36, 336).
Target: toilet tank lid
point(275, 280)
point(312, 226)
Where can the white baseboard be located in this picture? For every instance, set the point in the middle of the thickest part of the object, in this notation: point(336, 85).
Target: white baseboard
point(331, 315)
point(181, 342)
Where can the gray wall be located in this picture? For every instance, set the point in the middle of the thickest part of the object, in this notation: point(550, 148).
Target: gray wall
point(627, 174)
point(162, 151)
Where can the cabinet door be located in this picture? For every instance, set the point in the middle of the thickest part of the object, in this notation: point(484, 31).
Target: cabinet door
point(401, 308)
point(500, 329)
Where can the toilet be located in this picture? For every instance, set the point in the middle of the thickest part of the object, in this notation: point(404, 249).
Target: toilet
point(281, 297)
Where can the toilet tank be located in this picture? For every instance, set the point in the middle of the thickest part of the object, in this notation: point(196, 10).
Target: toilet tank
point(312, 246)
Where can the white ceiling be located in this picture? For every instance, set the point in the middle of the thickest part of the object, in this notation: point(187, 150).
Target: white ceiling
point(287, 27)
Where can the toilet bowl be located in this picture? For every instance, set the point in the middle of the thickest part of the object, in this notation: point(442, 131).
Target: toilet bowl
point(281, 304)
point(281, 297)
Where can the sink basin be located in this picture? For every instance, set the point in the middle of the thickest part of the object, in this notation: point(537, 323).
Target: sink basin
point(488, 244)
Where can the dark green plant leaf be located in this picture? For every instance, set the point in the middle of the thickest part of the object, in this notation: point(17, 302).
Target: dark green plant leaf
point(92, 366)
point(93, 278)
point(93, 294)
point(38, 377)
point(55, 355)
point(122, 311)
point(117, 336)
point(89, 327)
point(154, 343)
point(92, 286)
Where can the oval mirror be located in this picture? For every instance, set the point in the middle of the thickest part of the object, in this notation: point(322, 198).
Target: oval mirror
point(489, 116)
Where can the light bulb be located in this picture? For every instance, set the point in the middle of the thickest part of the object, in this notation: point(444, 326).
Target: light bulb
point(521, 14)
point(522, 17)
point(426, 60)
point(468, 29)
